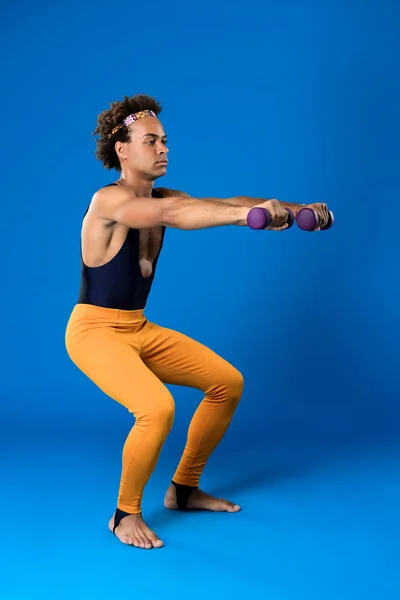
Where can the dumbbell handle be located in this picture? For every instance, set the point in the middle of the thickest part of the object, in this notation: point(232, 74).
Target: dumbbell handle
point(307, 219)
point(260, 218)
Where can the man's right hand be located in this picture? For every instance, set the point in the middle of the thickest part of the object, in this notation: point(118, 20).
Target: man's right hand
point(279, 215)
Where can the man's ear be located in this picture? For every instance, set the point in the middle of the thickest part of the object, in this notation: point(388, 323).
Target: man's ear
point(121, 150)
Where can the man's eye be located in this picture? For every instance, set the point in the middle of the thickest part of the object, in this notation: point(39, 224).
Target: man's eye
point(151, 142)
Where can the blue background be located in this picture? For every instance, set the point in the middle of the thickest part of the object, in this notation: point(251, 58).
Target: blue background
point(293, 100)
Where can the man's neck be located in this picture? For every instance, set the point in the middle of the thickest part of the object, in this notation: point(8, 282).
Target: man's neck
point(141, 187)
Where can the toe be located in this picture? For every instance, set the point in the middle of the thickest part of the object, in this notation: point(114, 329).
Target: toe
point(144, 542)
point(126, 539)
point(147, 542)
point(231, 507)
point(157, 543)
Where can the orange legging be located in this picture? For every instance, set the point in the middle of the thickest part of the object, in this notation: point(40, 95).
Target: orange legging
point(130, 359)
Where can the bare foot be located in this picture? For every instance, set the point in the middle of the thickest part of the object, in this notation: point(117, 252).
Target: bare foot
point(199, 500)
point(132, 530)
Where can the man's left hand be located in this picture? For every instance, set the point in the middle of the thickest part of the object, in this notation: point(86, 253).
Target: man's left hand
point(322, 211)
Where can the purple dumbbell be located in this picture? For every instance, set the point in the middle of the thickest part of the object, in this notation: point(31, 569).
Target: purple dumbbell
point(307, 219)
point(259, 218)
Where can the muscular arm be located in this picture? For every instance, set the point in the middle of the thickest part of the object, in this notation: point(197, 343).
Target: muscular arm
point(120, 205)
point(250, 202)
point(236, 201)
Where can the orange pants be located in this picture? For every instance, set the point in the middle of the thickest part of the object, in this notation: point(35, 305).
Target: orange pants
point(130, 359)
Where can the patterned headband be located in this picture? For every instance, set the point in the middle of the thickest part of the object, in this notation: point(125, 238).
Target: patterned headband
point(132, 118)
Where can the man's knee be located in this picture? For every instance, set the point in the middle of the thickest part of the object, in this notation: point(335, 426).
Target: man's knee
point(235, 382)
point(230, 384)
point(159, 413)
point(164, 412)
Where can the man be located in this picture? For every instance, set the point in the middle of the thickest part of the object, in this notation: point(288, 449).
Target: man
point(108, 336)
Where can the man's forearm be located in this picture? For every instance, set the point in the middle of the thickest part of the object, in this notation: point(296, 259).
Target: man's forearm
point(202, 213)
point(250, 202)
point(236, 201)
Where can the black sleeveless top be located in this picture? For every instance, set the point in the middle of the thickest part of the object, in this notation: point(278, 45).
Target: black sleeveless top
point(119, 283)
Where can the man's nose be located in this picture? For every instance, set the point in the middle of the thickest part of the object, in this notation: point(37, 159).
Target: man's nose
point(163, 149)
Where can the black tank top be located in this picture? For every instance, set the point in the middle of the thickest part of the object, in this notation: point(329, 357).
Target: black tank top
point(119, 283)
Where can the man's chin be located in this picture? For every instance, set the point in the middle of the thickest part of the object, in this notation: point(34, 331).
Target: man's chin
point(155, 173)
point(160, 170)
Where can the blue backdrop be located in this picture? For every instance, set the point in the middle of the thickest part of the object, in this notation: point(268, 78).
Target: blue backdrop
point(290, 100)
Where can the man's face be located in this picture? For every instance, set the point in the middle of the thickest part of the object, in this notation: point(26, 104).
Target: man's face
point(146, 153)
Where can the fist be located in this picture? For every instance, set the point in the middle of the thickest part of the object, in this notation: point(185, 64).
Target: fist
point(279, 214)
point(322, 212)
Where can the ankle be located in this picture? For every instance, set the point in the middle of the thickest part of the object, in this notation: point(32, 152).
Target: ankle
point(183, 493)
point(122, 514)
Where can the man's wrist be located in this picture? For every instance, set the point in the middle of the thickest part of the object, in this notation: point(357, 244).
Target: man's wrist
point(295, 208)
point(241, 217)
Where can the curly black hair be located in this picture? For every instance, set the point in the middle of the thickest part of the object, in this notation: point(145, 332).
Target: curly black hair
point(110, 118)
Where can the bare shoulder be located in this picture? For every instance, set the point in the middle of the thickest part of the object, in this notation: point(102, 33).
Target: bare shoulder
point(169, 193)
point(112, 193)
point(107, 199)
